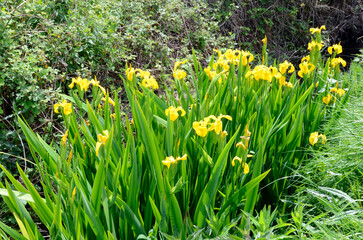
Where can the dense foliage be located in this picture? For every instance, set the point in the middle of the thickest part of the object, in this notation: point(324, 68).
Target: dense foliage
point(43, 44)
point(187, 164)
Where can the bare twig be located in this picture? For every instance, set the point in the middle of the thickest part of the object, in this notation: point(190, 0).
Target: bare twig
point(18, 7)
point(186, 28)
point(21, 142)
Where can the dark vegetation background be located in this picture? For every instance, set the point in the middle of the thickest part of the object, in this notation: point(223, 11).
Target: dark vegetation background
point(43, 44)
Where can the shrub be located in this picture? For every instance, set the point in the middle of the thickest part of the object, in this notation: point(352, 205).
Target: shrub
point(43, 44)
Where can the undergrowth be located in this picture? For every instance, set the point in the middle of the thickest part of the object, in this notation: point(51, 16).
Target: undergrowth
point(330, 186)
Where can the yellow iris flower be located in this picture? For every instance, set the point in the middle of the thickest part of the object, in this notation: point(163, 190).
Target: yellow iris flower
point(171, 160)
point(315, 136)
point(178, 73)
point(336, 48)
point(64, 138)
point(305, 68)
point(210, 123)
point(317, 30)
point(75, 81)
point(247, 57)
point(314, 44)
point(177, 64)
point(306, 59)
point(284, 66)
point(336, 61)
point(201, 128)
point(337, 90)
point(101, 140)
point(130, 73)
point(327, 99)
point(82, 82)
point(245, 166)
point(142, 73)
point(67, 107)
point(313, 139)
point(150, 82)
point(211, 74)
point(221, 63)
point(95, 82)
point(262, 72)
point(173, 112)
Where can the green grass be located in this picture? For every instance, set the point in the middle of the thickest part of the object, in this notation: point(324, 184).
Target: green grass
point(333, 178)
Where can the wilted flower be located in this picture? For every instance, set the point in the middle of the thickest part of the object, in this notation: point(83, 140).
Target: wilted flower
point(95, 82)
point(281, 78)
point(218, 52)
point(245, 139)
point(110, 101)
point(288, 84)
point(224, 134)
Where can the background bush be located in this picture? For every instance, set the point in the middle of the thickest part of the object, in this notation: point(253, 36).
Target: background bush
point(43, 44)
point(46, 43)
